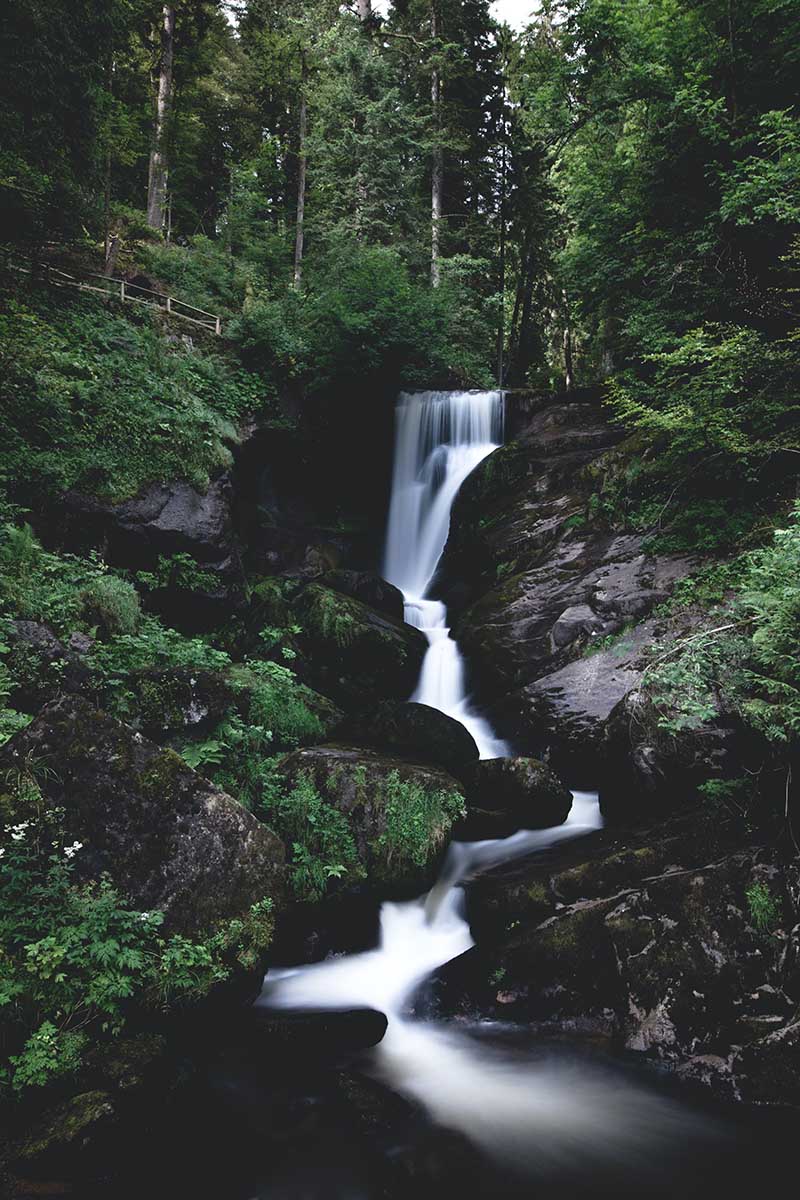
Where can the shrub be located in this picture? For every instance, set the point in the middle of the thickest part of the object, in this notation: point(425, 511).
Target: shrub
point(112, 604)
point(321, 841)
point(417, 820)
point(764, 910)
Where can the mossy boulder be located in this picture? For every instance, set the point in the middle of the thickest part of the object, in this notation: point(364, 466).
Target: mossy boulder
point(352, 652)
point(178, 702)
point(400, 813)
point(369, 588)
point(417, 732)
point(341, 646)
point(62, 1135)
point(506, 794)
point(170, 840)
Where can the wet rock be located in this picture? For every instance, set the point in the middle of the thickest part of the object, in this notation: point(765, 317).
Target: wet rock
point(669, 959)
point(563, 716)
point(414, 731)
point(768, 1070)
point(540, 586)
point(506, 794)
point(400, 813)
point(304, 1034)
point(353, 653)
point(643, 769)
point(170, 840)
point(369, 588)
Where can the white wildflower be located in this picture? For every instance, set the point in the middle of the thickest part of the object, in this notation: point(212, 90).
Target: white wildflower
point(72, 850)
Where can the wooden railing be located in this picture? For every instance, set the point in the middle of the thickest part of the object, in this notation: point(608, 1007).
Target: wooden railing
point(117, 289)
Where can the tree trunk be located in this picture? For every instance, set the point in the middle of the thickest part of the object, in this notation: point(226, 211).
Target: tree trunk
point(437, 172)
point(501, 324)
point(301, 179)
point(159, 159)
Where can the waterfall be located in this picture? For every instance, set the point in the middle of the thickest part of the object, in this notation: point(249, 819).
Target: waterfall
point(520, 1109)
point(440, 439)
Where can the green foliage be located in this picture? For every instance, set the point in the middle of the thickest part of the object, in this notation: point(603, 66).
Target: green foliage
point(764, 908)
point(78, 961)
point(322, 844)
point(367, 322)
point(749, 662)
point(154, 646)
point(418, 820)
point(104, 403)
point(272, 716)
point(178, 571)
point(721, 401)
point(62, 590)
point(112, 604)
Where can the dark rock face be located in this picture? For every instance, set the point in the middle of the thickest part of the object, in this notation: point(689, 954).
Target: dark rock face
point(643, 768)
point(650, 940)
point(359, 783)
point(169, 839)
point(369, 589)
point(164, 520)
point(414, 731)
point(506, 794)
point(542, 587)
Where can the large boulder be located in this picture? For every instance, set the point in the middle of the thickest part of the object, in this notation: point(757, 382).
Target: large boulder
point(414, 731)
point(164, 520)
point(369, 588)
point(354, 653)
point(506, 794)
point(671, 943)
point(400, 814)
point(563, 716)
point(534, 586)
point(170, 840)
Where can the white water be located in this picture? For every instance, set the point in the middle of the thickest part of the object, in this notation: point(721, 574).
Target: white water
point(533, 1115)
point(440, 439)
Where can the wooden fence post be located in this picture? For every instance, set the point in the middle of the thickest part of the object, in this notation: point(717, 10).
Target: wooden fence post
point(218, 326)
point(122, 291)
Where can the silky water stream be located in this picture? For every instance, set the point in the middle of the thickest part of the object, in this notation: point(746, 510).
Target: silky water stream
point(541, 1115)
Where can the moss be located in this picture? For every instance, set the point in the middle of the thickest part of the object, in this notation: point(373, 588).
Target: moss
point(162, 702)
point(61, 1127)
point(161, 779)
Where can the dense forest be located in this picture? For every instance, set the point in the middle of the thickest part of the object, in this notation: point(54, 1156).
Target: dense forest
point(232, 233)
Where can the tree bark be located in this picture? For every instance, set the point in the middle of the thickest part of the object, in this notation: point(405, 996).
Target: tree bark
point(437, 171)
point(159, 156)
point(501, 324)
point(301, 178)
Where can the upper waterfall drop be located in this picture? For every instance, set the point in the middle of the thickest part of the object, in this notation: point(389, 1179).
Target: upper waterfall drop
point(440, 439)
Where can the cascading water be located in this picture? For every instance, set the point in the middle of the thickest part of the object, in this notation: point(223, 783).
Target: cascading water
point(533, 1115)
point(440, 438)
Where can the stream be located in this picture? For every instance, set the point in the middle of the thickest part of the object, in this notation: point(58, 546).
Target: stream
point(551, 1114)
